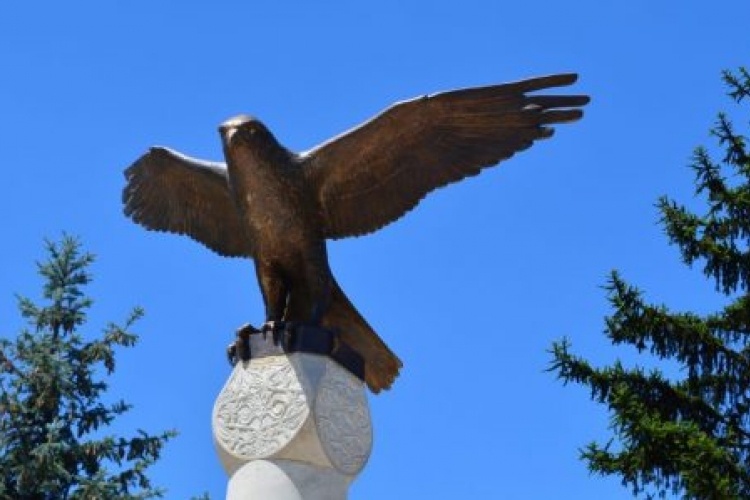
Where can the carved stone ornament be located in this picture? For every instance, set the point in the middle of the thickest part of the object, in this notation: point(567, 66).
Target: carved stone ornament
point(292, 423)
point(261, 409)
point(343, 420)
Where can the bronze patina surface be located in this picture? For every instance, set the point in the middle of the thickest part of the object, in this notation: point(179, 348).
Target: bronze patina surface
point(279, 208)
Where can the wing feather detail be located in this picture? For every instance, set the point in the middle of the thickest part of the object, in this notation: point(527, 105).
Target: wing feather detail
point(168, 191)
point(372, 175)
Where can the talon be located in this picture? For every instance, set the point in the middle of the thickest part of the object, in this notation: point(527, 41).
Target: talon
point(232, 354)
point(268, 327)
point(246, 330)
point(239, 350)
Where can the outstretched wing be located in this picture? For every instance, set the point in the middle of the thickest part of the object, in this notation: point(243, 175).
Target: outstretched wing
point(168, 191)
point(375, 173)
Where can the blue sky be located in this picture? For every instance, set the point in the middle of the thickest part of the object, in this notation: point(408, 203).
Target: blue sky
point(502, 264)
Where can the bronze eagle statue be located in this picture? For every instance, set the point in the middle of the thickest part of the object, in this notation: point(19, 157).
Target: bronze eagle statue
point(279, 207)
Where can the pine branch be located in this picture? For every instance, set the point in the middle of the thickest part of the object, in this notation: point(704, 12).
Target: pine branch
point(739, 84)
point(50, 405)
point(689, 435)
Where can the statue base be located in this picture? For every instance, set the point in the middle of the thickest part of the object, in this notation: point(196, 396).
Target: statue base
point(291, 425)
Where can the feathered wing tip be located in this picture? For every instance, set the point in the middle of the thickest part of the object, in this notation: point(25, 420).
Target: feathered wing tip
point(382, 366)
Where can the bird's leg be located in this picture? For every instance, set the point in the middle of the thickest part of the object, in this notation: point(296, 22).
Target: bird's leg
point(320, 306)
point(239, 350)
point(275, 292)
point(320, 287)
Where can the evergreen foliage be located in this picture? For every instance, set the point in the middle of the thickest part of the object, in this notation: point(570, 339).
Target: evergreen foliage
point(690, 436)
point(52, 416)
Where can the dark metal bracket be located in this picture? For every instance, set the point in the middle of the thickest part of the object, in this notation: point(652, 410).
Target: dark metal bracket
point(288, 338)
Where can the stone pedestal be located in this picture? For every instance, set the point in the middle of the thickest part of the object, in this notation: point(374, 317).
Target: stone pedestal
point(291, 426)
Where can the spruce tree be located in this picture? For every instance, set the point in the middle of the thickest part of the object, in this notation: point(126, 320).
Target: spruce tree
point(53, 420)
point(689, 434)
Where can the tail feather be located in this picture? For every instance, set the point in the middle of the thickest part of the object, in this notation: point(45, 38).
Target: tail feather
point(381, 364)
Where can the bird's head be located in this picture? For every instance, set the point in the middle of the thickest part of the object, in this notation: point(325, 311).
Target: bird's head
point(245, 135)
point(244, 129)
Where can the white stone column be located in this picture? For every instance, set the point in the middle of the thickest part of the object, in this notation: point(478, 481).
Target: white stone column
point(291, 427)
